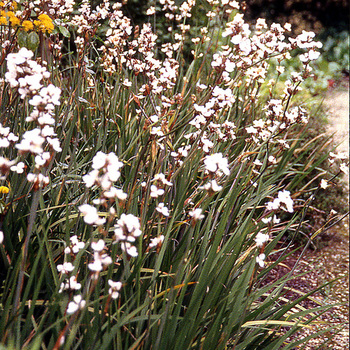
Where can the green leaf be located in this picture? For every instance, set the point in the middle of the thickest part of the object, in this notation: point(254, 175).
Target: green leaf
point(64, 31)
point(33, 41)
point(22, 38)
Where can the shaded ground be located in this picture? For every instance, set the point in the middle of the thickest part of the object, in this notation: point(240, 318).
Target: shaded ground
point(329, 263)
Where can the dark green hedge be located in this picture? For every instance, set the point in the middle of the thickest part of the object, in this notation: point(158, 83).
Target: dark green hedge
point(316, 15)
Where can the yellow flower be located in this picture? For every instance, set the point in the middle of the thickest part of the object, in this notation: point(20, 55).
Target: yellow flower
point(2, 4)
point(27, 25)
point(3, 20)
point(44, 23)
point(14, 21)
point(12, 18)
point(4, 189)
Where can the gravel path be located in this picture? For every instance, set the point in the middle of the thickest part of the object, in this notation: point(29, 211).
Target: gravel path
point(332, 261)
point(337, 106)
point(331, 258)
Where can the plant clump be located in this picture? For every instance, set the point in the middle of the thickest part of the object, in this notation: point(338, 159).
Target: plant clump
point(143, 195)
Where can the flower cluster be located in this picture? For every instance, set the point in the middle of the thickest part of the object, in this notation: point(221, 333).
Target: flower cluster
point(28, 77)
point(8, 13)
point(44, 23)
point(283, 201)
point(126, 230)
point(101, 260)
point(216, 166)
point(16, 15)
point(106, 171)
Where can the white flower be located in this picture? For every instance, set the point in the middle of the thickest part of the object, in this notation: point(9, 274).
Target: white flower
point(65, 267)
point(41, 159)
point(75, 245)
point(196, 214)
point(18, 168)
point(324, 184)
point(90, 215)
point(127, 83)
point(127, 228)
point(91, 178)
point(115, 288)
point(77, 304)
point(156, 241)
point(115, 193)
point(32, 141)
point(261, 238)
point(161, 208)
point(157, 130)
point(151, 11)
point(111, 165)
point(283, 198)
point(260, 259)
point(344, 168)
point(212, 186)
point(54, 143)
point(99, 160)
point(155, 191)
point(129, 249)
point(5, 164)
point(274, 205)
point(4, 142)
point(1, 237)
point(96, 266)
point(272, 160)
point(216, 163)
point(161, 177)
point(38, 179)
point(100, 261)
point(272, 219)
point(98, 246)
point(71, 284)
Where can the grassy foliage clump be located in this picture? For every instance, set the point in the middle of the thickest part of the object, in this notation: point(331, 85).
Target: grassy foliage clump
point(143, 198)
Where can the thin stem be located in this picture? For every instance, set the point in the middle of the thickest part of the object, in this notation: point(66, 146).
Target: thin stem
point(32, 216)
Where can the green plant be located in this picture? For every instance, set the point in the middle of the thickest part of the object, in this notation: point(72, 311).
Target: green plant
point(147, 198)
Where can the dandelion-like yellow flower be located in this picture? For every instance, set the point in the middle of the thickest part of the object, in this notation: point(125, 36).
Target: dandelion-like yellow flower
point(27, 25)
point(4, 189)
point(13, 19)
point(3, 20)
point(44, 23)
